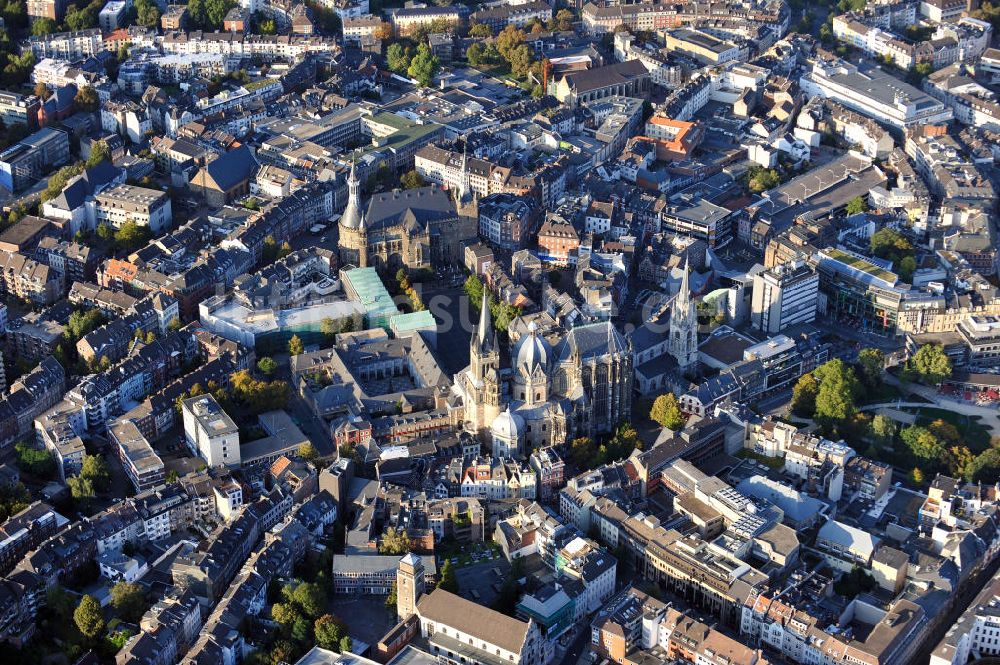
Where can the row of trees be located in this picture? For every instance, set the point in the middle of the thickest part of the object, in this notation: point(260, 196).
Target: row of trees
point(247, 395)
point(403, 280)
point(586, 453)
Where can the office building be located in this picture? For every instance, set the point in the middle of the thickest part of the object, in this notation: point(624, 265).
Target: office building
point(25, 162)
point(784, 296)
point(18, 109)
point(210, 432)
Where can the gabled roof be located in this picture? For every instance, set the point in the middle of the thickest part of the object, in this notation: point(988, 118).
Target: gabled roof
point(473, 619)
point(232, 168)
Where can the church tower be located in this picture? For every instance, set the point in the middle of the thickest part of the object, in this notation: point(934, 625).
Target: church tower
point(683, 341)
point(353, 238)
point(484, 366)
point(466, 201)
point(409, 585)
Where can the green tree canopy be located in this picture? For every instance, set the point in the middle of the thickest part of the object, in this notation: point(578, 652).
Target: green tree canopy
point(509, 38)
point(448, 581)
point(295, 346)
point(398, 58)
point(308, 597)
point(88, 617)
point(131, 236)
point(760, 179)
point(424, 66)
point(258, 396)
point(82, 322)
point(838, 388)
point(474, 290)
point(667, 412)
point(922, 443)
point(857, 205)
point(86, 99)
point(129, 601)
point(884, 429)
point(147, 13)
point(480, 31)
point(329, 328)
point(95, 469)
point(81, 488)
point(99, 152)
point(308, 452)
point(43, 26)
point(871, 362)
point(329, 631)
point(890, 244)
point(564, 20)
point(267, 366)
point(35, 461)
point(804, 396)
point(394, 541)
point(906, 267)
point(931, 364)
point(411, 180)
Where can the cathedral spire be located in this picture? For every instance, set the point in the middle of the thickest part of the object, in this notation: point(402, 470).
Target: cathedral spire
point(684, 295)
point(463, 178)
point(485, 332)
point(351, 218)
point(353, 184)
point(683, 340)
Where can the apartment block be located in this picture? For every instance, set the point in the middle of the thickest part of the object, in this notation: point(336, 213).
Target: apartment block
point(128, 203)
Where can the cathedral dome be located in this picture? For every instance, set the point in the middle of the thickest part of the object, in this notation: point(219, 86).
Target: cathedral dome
point(507, 426)
point(533, 351)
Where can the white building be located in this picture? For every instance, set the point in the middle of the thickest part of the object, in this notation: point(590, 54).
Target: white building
point(784, 296)
point(128, 203)
point(453, 625)
point(874, 93)
point(210, 432)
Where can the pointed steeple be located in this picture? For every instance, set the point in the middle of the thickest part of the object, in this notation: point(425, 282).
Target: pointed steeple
point(683, 341)
point(485, 332)
point(684, 295)
point(352, 217)
point(463, 178)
